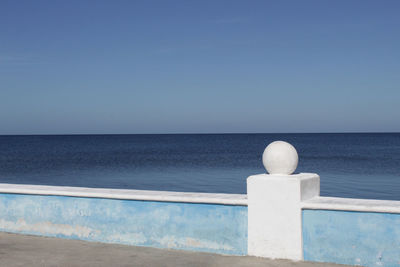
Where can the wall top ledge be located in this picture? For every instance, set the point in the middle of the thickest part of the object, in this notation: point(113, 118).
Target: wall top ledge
point(297, 176)
point(352, 204)
point(128, 194)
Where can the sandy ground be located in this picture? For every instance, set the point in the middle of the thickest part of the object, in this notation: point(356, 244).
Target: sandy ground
point(25, 250)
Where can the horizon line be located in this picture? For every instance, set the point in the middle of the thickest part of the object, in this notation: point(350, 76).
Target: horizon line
point(210, 133)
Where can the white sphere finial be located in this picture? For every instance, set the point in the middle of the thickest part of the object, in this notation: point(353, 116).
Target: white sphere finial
point(280, 157)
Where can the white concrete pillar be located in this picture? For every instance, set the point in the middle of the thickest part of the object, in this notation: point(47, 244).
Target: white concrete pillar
point(274, 204)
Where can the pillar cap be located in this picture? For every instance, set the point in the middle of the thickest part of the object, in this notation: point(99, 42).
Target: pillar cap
point(280, 157)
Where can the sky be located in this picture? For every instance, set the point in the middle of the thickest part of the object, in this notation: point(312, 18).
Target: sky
point(126, 67)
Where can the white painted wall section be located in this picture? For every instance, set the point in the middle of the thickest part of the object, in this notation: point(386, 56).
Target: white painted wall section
point(352, 204)
point(274, 213)
point(147, 195)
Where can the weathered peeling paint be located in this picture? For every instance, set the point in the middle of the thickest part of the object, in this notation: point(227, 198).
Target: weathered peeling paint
point(45, 228)
point(348, 237)
point(201, 227)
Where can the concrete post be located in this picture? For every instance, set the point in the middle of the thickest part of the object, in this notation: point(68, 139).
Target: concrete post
point(274, 204)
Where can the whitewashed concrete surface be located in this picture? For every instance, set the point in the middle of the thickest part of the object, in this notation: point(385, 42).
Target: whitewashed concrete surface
point(164, 196)
point(274, 213)
point(352, 204)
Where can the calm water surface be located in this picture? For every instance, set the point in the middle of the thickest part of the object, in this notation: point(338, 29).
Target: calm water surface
point(350, 165)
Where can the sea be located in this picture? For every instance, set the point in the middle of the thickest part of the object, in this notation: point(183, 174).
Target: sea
point(353, 165)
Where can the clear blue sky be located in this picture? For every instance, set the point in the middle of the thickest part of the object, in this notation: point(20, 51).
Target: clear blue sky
point(199, 66)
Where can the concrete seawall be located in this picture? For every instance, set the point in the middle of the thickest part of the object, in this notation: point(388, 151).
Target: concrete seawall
point(219, 226)
point(282, 216)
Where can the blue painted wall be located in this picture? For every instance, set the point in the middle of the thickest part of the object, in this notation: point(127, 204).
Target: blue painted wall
point(199, 227)
point(356, 238)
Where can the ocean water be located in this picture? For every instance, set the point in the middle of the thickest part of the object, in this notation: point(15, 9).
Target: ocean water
point(350, 165)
